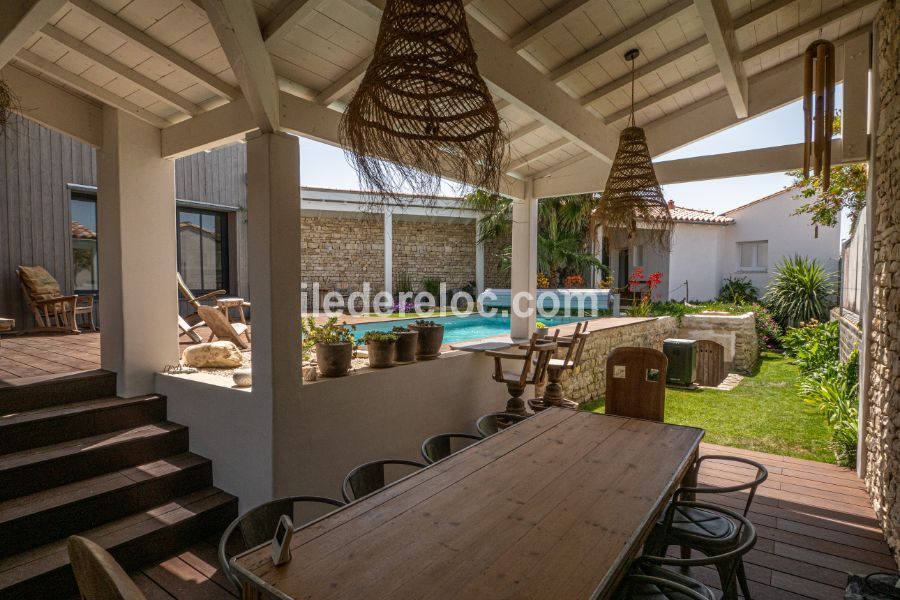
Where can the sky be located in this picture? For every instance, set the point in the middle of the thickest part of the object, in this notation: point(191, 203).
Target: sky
point(322, 165)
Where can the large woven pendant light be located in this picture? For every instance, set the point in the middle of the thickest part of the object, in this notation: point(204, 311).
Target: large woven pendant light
point(422, 108)
point(632, 197)
point(818, 87)
point(7, 104)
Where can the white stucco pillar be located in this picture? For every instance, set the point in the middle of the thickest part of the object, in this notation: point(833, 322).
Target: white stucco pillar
point(273, 232)
point(137, 253)
point(523, 279)
point(388, 250)
point(479, 260)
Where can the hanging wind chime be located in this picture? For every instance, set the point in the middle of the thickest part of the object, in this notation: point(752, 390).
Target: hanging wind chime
point(632, 197)
point(818, 128)
point(422, 108)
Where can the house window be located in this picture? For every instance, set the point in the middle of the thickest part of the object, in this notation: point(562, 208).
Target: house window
point(753, 256)
point(203, 249)
point(84, 242)
point(639, 256)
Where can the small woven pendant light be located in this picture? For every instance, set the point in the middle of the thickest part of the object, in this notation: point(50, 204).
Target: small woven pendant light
point(632, 197)
point(422, 108)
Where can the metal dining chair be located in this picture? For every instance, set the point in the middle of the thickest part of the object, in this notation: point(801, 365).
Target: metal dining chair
point(257, 526)
point(370, 477)
point(721, 535)
point(489, 424)
point(441, 446)
point(672, 586)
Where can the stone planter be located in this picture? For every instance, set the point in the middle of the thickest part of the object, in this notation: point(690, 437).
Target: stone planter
point(334, 359)
point(430, 339)
point(406, 346)
point(381, 353)
point(541, 333)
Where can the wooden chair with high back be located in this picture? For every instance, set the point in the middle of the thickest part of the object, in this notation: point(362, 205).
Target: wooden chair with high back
point(534, 367)
point(556, 368)
point(195, 301)
point(219, 327)
point(97, 573)
point(636, 383)
point(52, 310)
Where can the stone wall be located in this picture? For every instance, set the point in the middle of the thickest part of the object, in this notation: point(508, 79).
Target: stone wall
point(443, 250)
point(850, 332)
point(341, 252)
point(883, 423)
point(493, 276)
point(588, 381)
point(737, 333)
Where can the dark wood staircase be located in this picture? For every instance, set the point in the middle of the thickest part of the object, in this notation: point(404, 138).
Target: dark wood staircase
point(76, 459)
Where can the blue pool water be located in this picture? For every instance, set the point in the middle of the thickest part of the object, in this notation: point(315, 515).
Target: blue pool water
point(463, 328)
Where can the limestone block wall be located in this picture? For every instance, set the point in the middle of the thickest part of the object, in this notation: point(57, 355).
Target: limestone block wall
point(588, 381)
point(493, 276)
point(849, 328)
point(342, 252)
point(736, 333)
point(883, 424)
point(444, 250)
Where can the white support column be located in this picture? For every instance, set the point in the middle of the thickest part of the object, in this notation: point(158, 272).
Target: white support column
point(273, 232)
point(136, 222)
point(388, 250)
point(479, 260)
point(598, 252)
point(524, 265)
point(855, 116)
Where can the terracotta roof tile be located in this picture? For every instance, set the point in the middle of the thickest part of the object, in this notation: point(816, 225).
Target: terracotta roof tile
point(692, 215)
point(81, 232)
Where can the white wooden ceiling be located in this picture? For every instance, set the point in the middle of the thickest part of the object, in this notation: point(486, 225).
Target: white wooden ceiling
point(162, 60)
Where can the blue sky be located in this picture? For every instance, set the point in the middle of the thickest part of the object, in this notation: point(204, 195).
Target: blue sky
point(322, 165)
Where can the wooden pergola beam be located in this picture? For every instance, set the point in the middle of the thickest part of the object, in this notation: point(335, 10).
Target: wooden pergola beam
point(538, 154)
point(19, 20)
point(717, 23)
point(549, 21)
point(344, 84)
point(666, 93)
point(289, 17)
point(235, 24)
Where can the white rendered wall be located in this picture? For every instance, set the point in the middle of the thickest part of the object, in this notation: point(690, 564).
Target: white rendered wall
point(787, 234)
point(695, 259)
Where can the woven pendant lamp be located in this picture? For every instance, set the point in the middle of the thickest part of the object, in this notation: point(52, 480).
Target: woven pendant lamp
point(632, 197)
point(7, 104)
point(422, 108)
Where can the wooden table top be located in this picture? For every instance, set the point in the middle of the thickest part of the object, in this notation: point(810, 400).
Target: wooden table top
point(553, 507)
point(7, 324)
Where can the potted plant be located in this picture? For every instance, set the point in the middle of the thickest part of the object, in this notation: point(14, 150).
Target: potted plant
point(430, 338)
point(334, 344)
point(541, 330)
point(381, 346)
point(406, 344)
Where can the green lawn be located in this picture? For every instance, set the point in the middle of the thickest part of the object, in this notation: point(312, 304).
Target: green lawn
point(763, 413)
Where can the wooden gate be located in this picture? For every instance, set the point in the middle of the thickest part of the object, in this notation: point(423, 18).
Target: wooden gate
point(710, 363)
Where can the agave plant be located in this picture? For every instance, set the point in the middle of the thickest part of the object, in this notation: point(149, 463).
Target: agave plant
point(800, 291)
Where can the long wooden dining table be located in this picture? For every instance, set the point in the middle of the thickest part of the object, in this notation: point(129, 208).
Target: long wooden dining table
point(556, 506)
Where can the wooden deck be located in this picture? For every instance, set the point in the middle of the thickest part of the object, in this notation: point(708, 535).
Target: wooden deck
point(814, 521)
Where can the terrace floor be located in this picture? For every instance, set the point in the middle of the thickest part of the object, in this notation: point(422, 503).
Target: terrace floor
point(814, 520)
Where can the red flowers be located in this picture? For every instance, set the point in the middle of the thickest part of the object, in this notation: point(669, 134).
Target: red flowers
point(636, 280)
point(573, 281)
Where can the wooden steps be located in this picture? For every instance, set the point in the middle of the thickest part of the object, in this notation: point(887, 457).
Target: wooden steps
point(109, 468)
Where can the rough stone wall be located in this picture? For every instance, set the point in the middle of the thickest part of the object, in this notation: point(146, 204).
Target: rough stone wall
point(588, 381)
point(737, 333)
point(493, 276)
point(850, 332)
point(339, 252)
point(883, 423)
point(442, 250)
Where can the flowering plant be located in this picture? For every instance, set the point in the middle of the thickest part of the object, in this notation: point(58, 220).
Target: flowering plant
point(573, 281)
point(635, 281)
point(543, 282)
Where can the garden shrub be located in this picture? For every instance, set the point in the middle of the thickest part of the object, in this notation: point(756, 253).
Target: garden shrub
point(813, 347)
point(738, 290)
point(834, 390)
point(799, 292)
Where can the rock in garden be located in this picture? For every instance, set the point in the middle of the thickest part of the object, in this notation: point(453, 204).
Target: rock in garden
point(242, 377)
point(215, 355)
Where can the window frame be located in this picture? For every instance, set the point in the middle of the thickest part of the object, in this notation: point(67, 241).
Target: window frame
point(756, 267)
point(224, 243)
point(84, 194)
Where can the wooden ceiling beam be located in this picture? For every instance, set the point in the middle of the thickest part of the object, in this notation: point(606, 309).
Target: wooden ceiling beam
point(294, 13)
point(523, 161)
point(549, 21)
point(344, 83)
point(20, 20)
point(716, 18)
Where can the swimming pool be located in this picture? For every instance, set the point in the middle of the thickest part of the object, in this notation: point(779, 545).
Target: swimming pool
point(464, 328)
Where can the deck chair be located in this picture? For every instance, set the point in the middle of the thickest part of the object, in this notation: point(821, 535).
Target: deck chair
point(52, 310)
point(195, 301)
point(636, 383)
point(97, 573)
point(220, 327)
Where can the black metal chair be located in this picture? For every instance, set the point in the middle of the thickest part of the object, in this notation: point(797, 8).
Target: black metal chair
point(671, 586)
point(257, 526)
point(370, 477)
point(441, 446)
point(722, 536)
point(492, 423)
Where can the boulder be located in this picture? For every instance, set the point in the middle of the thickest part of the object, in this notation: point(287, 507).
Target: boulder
point(215, 355)
point(242, 377)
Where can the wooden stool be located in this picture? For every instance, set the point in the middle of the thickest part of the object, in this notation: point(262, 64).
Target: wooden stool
point(553, 392)
point(534, 367)
point(226, 303)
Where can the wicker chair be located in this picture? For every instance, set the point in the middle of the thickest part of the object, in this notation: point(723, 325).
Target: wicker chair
point(370, 477)
point(258, 525)
point(492, 423)
point(440, 446)
point(97, 573)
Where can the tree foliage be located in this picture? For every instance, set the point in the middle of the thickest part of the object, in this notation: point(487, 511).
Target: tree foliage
point(847, 190)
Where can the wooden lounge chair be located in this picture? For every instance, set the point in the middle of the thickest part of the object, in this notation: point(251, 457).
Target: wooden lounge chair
point(97, 573)
point(220, 327)
point(52, 310)
point(636, 383)
point(195, 301)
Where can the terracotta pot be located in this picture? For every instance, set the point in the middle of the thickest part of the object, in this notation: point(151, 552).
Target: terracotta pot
point(430, 339)
point(406, 346)
point(541, 333)
point(381, 353)
point(334, 359)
